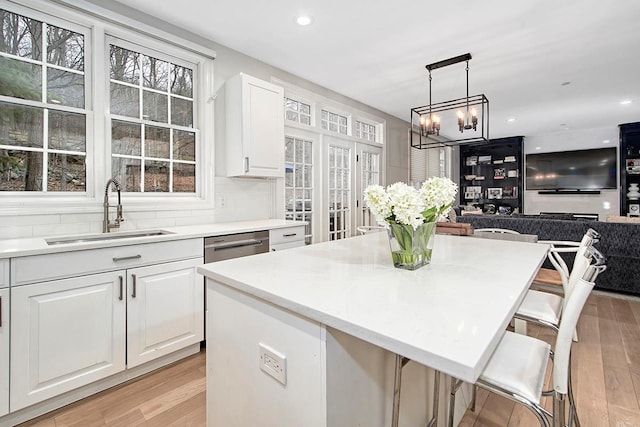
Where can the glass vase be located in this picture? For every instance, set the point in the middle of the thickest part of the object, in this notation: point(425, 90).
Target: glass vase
point(411, 249)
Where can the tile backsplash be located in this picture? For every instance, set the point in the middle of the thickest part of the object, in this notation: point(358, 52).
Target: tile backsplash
point(235, 200)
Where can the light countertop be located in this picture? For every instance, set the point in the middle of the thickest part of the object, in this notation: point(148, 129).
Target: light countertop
point(448, 315)
point(10, 248)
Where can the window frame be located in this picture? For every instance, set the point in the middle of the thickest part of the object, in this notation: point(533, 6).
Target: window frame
point(145, 50)
point(100, 23)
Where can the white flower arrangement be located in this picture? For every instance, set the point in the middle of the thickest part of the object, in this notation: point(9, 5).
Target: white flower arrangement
point(410, 215)
point(403, 204)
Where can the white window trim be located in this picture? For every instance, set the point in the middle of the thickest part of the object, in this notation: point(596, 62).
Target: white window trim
point(320, 102)
point(100, 23)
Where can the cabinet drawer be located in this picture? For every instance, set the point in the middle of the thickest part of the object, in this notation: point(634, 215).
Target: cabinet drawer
point(286, 235)
point(38, 268)
point(4, 273)
point(281, 246)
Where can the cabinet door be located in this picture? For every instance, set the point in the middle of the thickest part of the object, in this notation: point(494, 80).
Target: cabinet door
point(65, 334)
point(165, 309)
point(4, 351)
point(263, 128)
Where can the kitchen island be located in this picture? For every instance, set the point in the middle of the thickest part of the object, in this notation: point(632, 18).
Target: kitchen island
point(333, 315)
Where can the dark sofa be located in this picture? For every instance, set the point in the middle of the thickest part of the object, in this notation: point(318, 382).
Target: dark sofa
point(620, 243)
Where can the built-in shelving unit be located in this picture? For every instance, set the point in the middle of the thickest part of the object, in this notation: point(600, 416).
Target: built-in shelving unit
point(629, 167)
point(491, 175)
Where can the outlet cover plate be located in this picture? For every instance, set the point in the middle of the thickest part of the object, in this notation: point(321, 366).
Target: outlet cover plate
point(273, 363)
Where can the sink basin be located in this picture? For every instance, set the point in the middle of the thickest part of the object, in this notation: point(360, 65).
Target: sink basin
point(104, 237)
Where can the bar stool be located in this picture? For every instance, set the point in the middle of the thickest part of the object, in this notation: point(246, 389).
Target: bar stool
point(517, 368)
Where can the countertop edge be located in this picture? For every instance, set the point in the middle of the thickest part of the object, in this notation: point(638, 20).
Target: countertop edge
point(13, 248)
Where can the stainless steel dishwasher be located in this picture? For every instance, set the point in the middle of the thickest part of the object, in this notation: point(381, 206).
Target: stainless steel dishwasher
point(237, 245)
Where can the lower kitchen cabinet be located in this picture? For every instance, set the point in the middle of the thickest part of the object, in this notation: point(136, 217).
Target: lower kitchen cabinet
point(71, 332)
point(65, 334)
point(165, 309)
point(4, 351)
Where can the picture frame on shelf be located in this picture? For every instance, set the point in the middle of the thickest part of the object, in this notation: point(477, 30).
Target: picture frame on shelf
point(633, 166)
point(498, 162)
point(499, 173)
point(484, 160)
point(513, 173)
point(494, 193)
point(469, 177)
point(509, 159)
point(471, 160)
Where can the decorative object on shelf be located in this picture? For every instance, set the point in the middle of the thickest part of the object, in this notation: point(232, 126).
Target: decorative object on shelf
point(634, 210)
point(472, 160)
point(634, 193)
point(494, 193)
point(513, 173)
point(509, 159)
point(426, 123)
point(499, 173)
point(410, 216)
point(633, 166)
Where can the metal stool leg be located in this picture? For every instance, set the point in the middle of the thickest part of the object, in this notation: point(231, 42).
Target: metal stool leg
point(436, 399)
point(397, 384)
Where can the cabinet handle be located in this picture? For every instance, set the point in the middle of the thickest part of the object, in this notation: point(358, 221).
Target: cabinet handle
point(133, 285)
point(121, 286)
point(126, 258)
point(246, 164)
point(290, 235)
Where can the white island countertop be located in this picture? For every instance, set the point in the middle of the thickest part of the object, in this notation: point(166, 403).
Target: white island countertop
point(448, 315)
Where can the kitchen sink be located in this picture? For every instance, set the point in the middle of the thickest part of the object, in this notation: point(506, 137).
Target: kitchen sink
point(104, 237)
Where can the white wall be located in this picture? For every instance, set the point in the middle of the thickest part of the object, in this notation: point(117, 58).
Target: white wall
point(604, 204)
point(235, 198)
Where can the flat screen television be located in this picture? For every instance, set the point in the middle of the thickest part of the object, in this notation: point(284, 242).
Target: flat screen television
point(572, 170)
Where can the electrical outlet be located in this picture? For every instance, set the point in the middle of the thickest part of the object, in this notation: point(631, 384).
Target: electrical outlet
point(273, 363)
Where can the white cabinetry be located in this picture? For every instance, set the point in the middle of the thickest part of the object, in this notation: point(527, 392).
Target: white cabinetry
point(254, 127)
point(65, 334)
point(165, 305)
point(285, 238)
point(109, 309)
point(4, 337)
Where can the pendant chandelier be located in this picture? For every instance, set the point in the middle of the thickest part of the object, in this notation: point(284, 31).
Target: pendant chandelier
point(470, 115)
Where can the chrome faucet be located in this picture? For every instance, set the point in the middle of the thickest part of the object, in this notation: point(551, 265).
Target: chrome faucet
point(106, 224)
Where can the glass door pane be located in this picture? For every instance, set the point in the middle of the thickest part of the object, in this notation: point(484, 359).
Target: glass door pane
point(299, 182)
point(339, 185)
point(369, 174)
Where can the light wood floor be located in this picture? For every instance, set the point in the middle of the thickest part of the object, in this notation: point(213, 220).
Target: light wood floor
point(606, 372)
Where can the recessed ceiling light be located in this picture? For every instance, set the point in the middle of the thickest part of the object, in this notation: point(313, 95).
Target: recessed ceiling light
point(538, 148)
point(606, 141)
point(565, 83)
point(511, 119)
point(625, 102)
point(304, 20)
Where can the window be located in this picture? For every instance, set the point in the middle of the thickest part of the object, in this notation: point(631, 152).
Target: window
point(366, 131)
point(153, 140)
point(297, 111)
point(299, 182)
point(43, 120)
point(334, 122)
point(83, 99)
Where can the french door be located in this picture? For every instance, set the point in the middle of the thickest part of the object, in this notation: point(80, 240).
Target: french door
point(349, 167)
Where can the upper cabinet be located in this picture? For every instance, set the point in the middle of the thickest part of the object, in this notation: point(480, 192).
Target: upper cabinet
point(491, 175)
point(254, 127)
point(630, 169)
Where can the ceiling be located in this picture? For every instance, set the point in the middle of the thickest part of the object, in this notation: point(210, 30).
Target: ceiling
point(376, 51)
